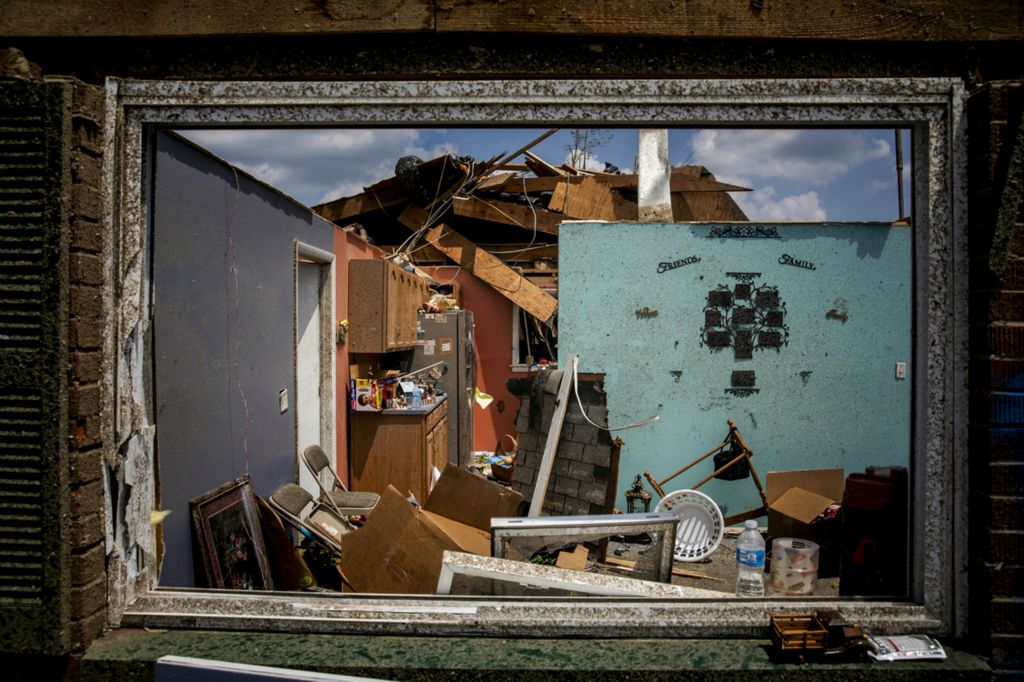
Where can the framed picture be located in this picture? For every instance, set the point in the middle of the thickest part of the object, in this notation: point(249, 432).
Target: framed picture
point(227, 530)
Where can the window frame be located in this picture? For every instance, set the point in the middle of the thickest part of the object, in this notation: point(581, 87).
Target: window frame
point(931, 107)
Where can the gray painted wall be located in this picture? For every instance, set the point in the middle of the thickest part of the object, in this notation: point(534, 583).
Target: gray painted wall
point(223, 332)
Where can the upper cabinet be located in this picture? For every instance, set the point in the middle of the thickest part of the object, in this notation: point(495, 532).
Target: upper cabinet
point(382, 303)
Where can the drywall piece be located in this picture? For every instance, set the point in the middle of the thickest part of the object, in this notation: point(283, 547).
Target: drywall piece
point(654, 176)
point(463, 573)
point(554, 432)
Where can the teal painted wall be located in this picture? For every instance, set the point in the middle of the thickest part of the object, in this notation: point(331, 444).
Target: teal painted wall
point(826, 395)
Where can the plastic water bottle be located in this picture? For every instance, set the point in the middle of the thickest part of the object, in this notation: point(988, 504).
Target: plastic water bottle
point(750, 562)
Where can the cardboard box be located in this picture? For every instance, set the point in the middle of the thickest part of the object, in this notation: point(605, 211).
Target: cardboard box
point(363, 395)
point(795, 499)
point(399, 549)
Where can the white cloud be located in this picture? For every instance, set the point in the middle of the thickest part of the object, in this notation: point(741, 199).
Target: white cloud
point(764, 205)
point(818, 157)
point(314, 166)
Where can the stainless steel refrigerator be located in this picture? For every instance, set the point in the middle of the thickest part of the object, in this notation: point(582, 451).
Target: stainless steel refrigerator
point(448, 337)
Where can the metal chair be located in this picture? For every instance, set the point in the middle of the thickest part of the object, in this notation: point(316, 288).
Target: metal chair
point(332, 491)
point(321, 523)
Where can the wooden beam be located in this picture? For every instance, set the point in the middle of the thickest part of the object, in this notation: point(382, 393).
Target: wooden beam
point(89, 18)
point(547, 461)
point(499, 276)
point(587, 198)
point(542, 168)
point(507, 213)
point(897, 20)
point(426, 253)
point(680, 182)
point(371, 200)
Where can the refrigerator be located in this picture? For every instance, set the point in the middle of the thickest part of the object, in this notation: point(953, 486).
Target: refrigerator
point(448, 337)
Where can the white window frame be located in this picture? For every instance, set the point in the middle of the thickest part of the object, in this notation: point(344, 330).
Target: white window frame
point(932, 108)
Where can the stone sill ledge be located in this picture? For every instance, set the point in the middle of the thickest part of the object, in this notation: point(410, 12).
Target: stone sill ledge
point(129, 654)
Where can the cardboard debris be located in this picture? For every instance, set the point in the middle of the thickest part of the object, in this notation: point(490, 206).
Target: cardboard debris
point(795, 499)
point(399, 548)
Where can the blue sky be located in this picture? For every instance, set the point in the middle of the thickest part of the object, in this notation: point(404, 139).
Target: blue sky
point(795, 174)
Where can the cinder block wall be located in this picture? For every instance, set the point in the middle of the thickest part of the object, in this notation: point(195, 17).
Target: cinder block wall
point(583, 475)
point(88, 254)
point(996, 229)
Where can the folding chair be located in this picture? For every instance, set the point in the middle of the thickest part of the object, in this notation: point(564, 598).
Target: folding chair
point(332, 491)
point(321, 523)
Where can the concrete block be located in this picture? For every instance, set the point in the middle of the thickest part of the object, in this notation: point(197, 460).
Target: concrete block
point(567, 486)
point(573, 415)
point(87, 367)
point(85, 630)
point(581, 471)
point(84, 400)
point(560, 466)
point(524, 475)
point(598, 414)
point(86, 301)
point(585, 433)
point(89, 599)
point(86, 530)
point(598, 455)
point(87, 498)
point(570, 450)
point(594, 493)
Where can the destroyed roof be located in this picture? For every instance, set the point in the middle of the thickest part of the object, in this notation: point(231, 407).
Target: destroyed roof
point(486, 215)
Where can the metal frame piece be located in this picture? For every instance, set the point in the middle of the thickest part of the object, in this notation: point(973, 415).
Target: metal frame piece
point(597, 527)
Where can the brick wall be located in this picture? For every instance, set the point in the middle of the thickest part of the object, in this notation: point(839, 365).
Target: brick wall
point(584, 474)
point(996, 229)
point(86, 329)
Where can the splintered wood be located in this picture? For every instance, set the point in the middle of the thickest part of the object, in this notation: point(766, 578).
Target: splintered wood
point(502, 278)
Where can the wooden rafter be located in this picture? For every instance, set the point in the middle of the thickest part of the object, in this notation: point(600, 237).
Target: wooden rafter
point(507, 213)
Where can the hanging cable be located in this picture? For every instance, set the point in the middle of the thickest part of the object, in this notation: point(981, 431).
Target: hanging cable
point(576, 390)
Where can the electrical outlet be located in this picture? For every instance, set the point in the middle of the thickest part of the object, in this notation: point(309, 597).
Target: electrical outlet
point(901, 370)
point(282, 400)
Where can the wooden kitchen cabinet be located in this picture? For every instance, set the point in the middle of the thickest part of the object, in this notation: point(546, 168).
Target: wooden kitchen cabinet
point(400, 447)
point(382, 303)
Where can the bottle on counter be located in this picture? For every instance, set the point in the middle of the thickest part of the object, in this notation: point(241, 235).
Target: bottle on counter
point(750, 562)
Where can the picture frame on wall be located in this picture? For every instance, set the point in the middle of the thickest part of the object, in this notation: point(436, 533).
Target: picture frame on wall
point(227, 532)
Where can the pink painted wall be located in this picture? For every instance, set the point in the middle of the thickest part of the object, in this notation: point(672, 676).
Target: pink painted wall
point(492, 316)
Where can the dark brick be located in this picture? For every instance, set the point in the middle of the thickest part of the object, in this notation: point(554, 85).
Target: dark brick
point(1006, 545)
point(85, 332)
point(89, 599)
point(598, 455)
point(567, 486)
point(85, 432)
point(85, 202)
point(1006, 478)
point(1016, 245)
point(86, 301)
point(86, 530)
point(85, 630)
point(84, 400)
point(86, 467)
point(570, 450)
point(88, 101)
point(1008, 616)
point(86, 268)
point(1004, 580)
point(573, 415)
point(86, 169)
point(87, 566)
point(86, 235)
point(86, 367)
point(1007, 513)
point(87, 135)
point(1013, 274)
point(576, 507)
point(554, 500)
point(1001, 306)
point(1008, 651)
point(87, 499)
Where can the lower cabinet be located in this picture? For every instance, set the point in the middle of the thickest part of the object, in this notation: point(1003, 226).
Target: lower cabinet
point(397, 447)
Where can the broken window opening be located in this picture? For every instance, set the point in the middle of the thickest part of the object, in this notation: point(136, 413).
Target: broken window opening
point(934, 119)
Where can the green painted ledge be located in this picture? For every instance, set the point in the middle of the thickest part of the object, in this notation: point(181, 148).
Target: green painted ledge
point(127, 655)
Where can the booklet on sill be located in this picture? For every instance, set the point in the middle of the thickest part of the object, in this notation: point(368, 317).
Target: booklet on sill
point(905, 648)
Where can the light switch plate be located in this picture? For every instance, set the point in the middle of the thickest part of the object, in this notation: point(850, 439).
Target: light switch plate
point(901, 370)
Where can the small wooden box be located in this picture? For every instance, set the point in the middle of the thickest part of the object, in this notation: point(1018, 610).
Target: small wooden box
point(798, 634)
